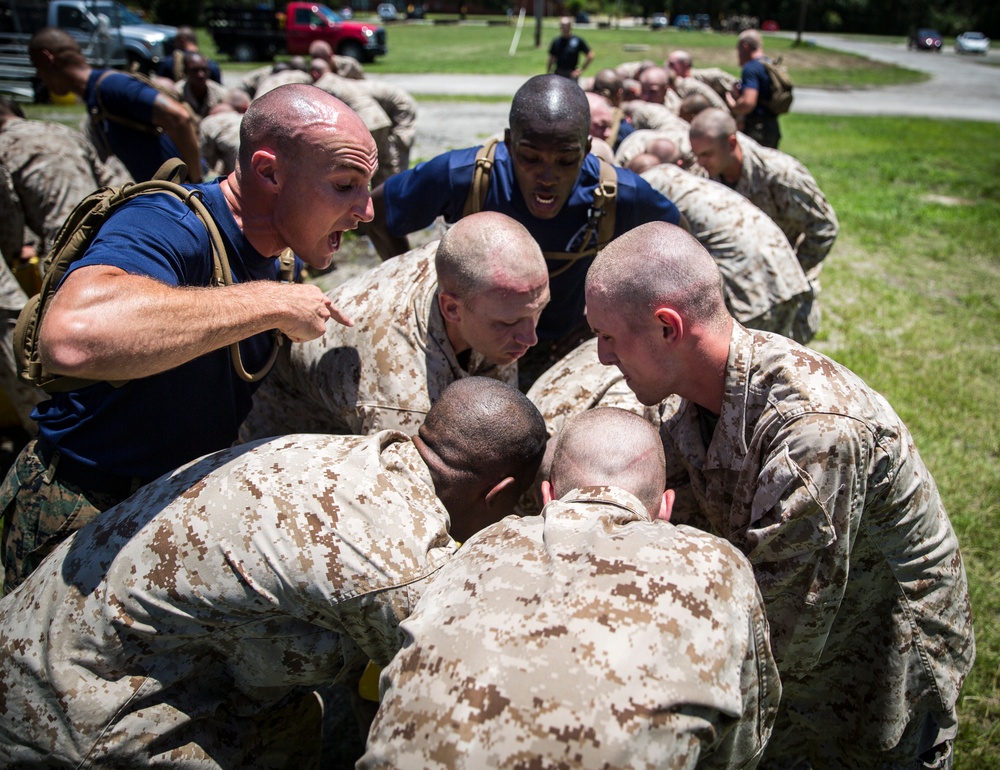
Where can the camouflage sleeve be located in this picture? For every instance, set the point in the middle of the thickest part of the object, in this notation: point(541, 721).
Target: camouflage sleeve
point(12, 221)
point(743, 743)
point(805, 209)
point(810, 494)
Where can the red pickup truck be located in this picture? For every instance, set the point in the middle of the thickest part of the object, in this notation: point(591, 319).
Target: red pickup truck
point(257, 34)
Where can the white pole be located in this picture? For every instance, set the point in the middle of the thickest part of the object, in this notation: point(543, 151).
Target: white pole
point(517, 33)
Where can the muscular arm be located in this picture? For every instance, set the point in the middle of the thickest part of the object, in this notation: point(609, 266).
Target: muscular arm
point(106, 324)
point(745, 104)
point(176, 122)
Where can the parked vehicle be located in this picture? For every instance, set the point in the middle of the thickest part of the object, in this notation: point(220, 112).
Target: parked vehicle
point(925, 40)
point(683, 22)
point(257, 34)
point(972, 42)
point(770, 25)
point(387, 12)
point(703, 21)
point(109, 35)
point(659, 21)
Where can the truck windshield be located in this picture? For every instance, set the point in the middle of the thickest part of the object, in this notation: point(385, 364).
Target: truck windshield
point(116, 13)
point(331, 16)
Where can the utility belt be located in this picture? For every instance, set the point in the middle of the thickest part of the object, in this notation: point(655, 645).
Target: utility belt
point(70, 471)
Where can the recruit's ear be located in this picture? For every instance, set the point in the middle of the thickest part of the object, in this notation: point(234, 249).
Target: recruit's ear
point(666, 505)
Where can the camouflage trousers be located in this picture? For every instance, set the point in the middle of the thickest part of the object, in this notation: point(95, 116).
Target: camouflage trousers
point(926, 744)
point(39, 512)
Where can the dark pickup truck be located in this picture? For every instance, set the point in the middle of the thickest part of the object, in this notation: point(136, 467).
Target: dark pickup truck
point(257, 34)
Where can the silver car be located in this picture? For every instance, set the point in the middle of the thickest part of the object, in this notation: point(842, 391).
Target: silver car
point(972, 42)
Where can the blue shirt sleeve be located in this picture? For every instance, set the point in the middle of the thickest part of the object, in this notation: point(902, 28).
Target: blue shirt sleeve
point(639, 203)
point(127, 96)
point(437, 187)
point(149, 236)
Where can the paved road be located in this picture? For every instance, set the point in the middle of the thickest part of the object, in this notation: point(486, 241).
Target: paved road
point(960, 87)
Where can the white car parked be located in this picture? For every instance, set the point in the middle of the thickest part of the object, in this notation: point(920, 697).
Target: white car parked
point(972, 42)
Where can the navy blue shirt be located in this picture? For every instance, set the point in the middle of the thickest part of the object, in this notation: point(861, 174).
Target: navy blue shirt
point(142, 152)
point(439, 187)
point(154, 424)
point(754, 75)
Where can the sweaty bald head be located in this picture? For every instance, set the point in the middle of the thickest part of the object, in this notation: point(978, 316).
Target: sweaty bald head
point(549, 100)
point(293, 119)
point(656, 265)
point(488, 251)
point(610, 447)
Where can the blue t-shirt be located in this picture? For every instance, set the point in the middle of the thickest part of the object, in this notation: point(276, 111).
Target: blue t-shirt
point(440, 186)
point(142, 152)
point(754, 75)
point(154, 424)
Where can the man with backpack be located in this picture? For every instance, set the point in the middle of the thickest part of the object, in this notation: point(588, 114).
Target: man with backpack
point(750, 100)
point(128, 117)
point(141, 306)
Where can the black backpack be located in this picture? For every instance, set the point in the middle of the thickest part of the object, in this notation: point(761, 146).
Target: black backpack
point(75, 237)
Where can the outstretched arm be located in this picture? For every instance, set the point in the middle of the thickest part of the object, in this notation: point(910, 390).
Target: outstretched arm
point(106, 324)
point(176, 122)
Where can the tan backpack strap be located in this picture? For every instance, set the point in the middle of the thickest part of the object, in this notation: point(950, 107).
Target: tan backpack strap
point(476, 199)
point(600, 220)
point(222, 274)
point(605, 197)
point(101, 112)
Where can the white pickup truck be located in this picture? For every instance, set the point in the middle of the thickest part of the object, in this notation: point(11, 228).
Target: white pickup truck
point(109, 34)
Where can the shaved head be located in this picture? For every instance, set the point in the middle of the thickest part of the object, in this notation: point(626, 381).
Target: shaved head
point(694, 104)
point(610, 447)
point(643, 162)
point(547, 100)
point(488, 251)
point(713, 124)
point(287, 120)
point(608, 84)
point(655, 265)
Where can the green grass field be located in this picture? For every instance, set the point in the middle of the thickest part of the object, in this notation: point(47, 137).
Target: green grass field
point(482, 49)
point(911, 304)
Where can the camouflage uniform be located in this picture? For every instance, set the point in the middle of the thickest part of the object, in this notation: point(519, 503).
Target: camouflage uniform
point(357, 95)
point(785, 190)
point(384, 372)
point(587, 637)
point(578, 382)
point(22, 397)
point(347, 67)
point(215, 94)
point(717, 79)
point(813, 476)
point(639, 140)
point(764, 285)
point(53, 168)
point(190, 624)
point(690, 86)
point(283, 78)
point(219, 141)
point(402, 111)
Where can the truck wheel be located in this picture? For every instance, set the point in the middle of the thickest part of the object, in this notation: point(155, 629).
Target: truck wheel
point(244, 52)
point(352, 49)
